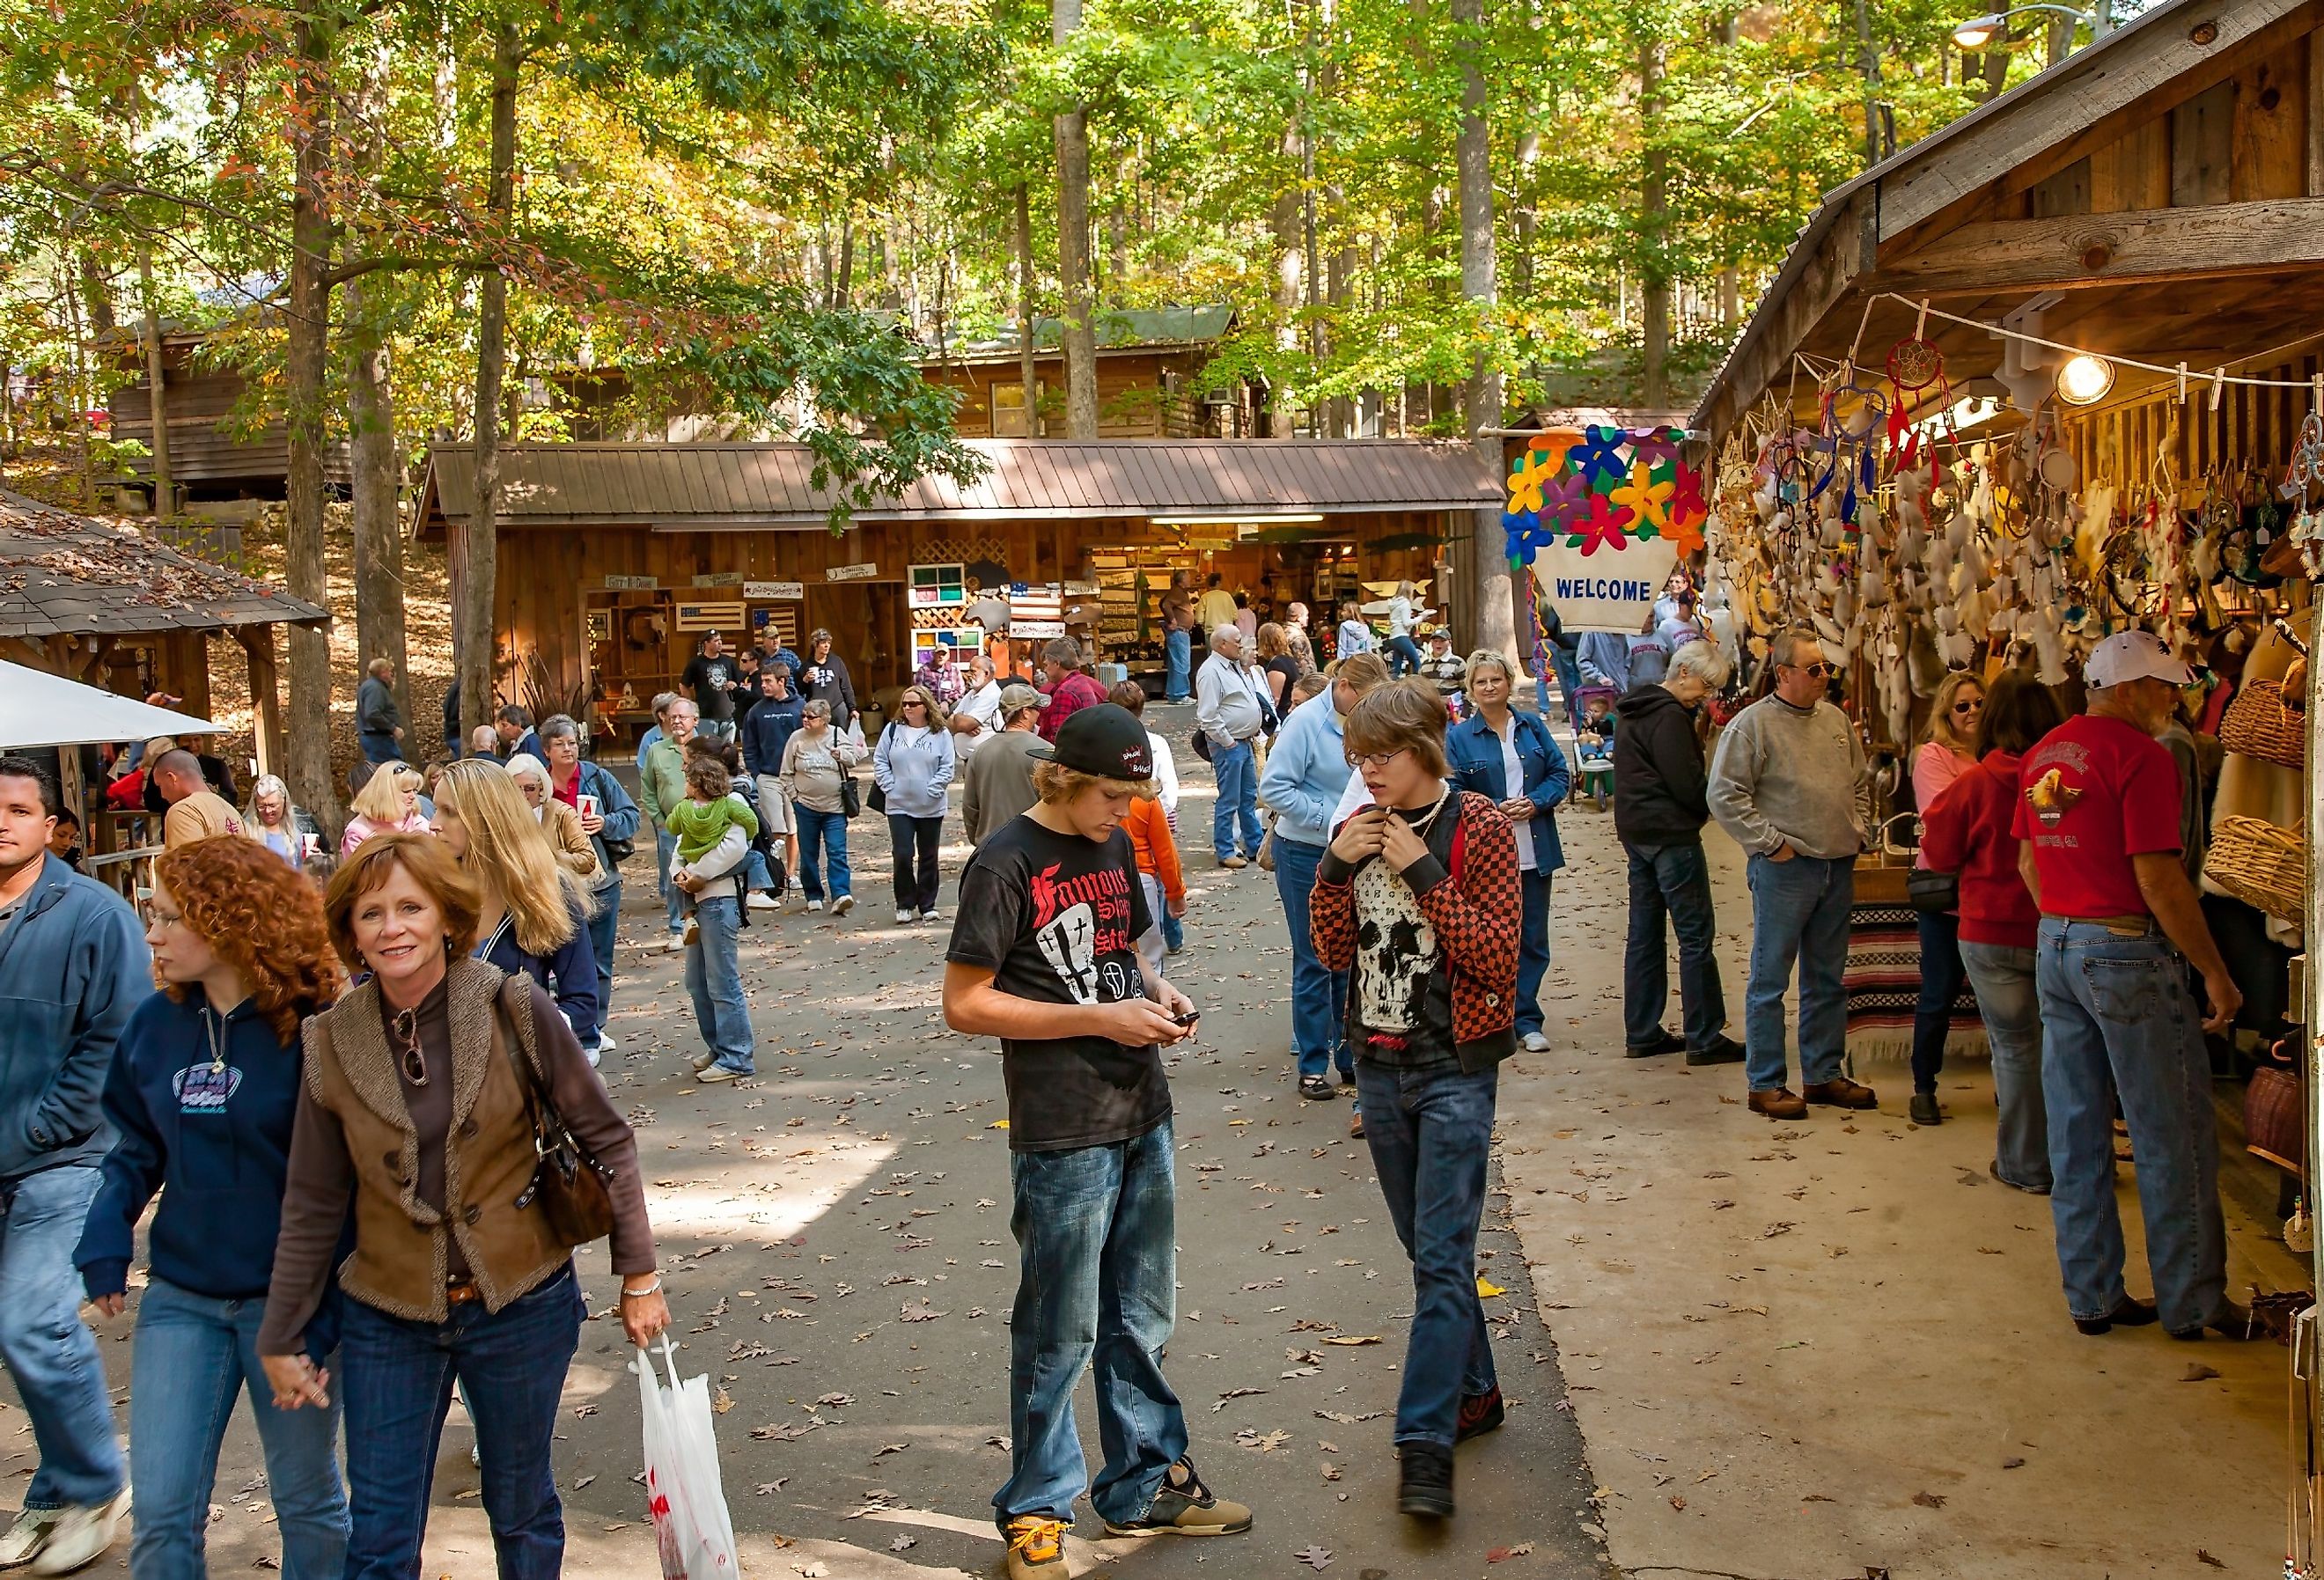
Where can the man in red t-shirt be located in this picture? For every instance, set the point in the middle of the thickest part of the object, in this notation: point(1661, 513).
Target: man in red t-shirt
point(1069, 689)
point(2097, 827)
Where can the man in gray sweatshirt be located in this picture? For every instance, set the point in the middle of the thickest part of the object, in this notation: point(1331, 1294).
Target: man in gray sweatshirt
point(1783, 784)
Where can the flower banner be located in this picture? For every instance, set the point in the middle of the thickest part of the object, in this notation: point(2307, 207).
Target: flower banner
point(1602, 489)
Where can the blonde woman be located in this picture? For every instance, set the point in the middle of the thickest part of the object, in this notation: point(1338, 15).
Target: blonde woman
point(535, 913)
point(1403, 654)
point(1948, 750)
point(388, 803)
point(560, 821)
point(912, 764)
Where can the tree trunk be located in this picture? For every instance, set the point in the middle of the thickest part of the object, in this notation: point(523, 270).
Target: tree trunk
point(157, 403)
point(1284, 219)
point(95, 299)
point(1072, 130)
point(1028, 372)
point(378, 522)
point(478, 659)
point(307, 743)
point(846, 291)
point(1654, 216)
point(1490, 583)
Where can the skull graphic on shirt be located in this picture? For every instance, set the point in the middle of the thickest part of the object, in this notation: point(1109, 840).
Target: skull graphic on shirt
point(1396, 950)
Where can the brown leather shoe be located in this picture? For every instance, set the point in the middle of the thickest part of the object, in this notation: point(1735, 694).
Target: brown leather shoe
point(1782, 1103)
point(1842, 1092)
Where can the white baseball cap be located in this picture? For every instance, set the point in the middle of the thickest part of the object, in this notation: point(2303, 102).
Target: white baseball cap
point(2133, 655)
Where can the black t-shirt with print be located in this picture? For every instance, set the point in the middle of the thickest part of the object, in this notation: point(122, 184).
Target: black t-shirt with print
point(1054, 917)
point(708, 678)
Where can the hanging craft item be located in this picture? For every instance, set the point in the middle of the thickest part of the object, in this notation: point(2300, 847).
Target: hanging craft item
point(1603, 488)
point(1853, 414)
point(2304, 478)
point(1914, 365)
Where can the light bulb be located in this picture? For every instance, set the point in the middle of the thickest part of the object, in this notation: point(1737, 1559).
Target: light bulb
point(1977, 31)
point(2084, 379)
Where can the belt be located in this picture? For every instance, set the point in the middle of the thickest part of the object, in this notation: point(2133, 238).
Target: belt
point(464, 1293)
point(2125, 927)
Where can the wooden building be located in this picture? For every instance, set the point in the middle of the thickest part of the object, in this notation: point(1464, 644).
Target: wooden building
point(213, 455)
point(614, 559)
point(1146, 363)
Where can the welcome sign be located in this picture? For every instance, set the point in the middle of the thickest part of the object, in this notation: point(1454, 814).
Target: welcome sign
point(1593, 595)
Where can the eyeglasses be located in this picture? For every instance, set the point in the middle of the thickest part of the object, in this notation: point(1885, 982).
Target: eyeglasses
point(1374, 759)
point(415, 1062)
point(1820, 670)
point(1973, 706)
point(157, 917)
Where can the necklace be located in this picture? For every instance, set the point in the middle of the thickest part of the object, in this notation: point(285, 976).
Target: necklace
point(1420, 825)
point(214, 1030)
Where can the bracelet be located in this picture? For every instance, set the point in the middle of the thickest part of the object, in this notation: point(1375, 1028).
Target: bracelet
point(653, 1288)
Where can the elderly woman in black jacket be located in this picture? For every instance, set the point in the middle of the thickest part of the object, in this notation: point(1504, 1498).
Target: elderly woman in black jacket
point(1660, 807)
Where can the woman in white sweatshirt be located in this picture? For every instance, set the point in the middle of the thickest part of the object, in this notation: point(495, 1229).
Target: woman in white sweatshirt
point(912, 764)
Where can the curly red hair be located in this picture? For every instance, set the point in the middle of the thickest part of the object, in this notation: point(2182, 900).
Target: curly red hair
point(262, 917)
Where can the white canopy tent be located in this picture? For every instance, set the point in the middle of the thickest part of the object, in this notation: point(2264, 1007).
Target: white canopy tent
point(40, 710)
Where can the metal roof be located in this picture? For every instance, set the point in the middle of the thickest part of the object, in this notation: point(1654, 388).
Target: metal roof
point(64, 575)
point(1117, 330)
point(698, 487)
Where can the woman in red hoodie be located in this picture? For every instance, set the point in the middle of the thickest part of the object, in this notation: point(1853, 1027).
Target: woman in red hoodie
point(1966, 832)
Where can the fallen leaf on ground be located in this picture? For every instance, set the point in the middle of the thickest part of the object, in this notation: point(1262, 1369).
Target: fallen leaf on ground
point(903, 1544)
point(1501, 1554)
point(1367, 1338)
point(722, 1401)
point(887, 1448)
point(1485, 1289)
point(2198, 1372)
point(1316, 1558)
point(2204, 1557)
point(2013, 1463)
point(1930, 1500)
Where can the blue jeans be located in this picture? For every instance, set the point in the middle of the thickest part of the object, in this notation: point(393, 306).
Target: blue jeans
point(1236, 769)
point(1174, 932)
point(2009, 1002)
point(601, 939)
point(825, 832)
point(50, 1355)
point(1799, 913)
point(380, 746)
point(1533, 951)
point(1097, 1281)
point(195, 1353)
point(1941, 983)
point(1177, 660)
point(713, 978)
point(673, 898)
point(1319, 995)
point(1671, 881)
point(395, 1379)
point(1569, 679)
point(917, 878)
point(2119, 1022)
point(1430, 1132)
point(1403, 655)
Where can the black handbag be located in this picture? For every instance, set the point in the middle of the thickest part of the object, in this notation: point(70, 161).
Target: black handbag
point(571, 1187)
point(1932, 892)
point(851, 797)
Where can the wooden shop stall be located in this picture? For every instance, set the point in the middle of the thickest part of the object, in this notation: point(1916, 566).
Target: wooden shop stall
point(615, 557)
point(2054, 371)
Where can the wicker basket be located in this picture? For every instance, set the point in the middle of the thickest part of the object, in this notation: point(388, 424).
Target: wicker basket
point(2258, 724)
point(2260, 864)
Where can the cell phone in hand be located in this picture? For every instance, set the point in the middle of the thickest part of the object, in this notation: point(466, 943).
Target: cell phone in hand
point(1188, 1018)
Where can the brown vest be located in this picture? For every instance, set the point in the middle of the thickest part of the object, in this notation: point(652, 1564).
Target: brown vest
point(400, 1259)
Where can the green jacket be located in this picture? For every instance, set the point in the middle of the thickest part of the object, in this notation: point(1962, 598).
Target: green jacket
point(664, 781)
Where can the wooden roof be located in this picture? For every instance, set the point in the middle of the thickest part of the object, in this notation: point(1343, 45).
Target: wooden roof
point(63, 575)
point(2163, 188)
point(698, 487)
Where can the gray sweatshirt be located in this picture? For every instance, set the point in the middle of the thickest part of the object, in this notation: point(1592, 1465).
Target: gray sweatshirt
point(1784, 773)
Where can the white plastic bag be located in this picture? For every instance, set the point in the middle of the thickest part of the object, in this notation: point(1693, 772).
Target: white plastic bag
point(691, 1526)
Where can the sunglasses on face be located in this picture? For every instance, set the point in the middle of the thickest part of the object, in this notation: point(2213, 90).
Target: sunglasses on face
point(1820, 670)
point(1973, 705)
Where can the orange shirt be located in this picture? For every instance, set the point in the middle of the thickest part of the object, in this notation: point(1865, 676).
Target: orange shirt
point(1157, 853)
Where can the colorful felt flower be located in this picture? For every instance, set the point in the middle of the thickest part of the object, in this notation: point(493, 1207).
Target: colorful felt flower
point(1655, 445)
point(1532, 469)
point(1647, 499)
point(1601, 526)
point(1556, 445)
point(1599, 457)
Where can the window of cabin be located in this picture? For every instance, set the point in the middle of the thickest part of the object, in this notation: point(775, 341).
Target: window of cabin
point(1009, 411)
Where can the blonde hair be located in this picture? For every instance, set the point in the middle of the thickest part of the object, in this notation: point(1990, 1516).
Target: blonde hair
point(1362, 671)
point(509, 856)
point(1491, 658)
point(1941, 714)
point(380, 800)
point(1403, 715)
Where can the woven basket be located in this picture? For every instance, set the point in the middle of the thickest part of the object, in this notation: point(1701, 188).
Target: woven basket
point(2260, 864)
point(2258, 724)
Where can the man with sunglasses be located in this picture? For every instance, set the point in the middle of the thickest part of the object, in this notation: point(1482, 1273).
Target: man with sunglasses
point(1783, 784)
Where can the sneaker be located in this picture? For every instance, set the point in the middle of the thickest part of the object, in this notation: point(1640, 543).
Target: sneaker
point(1725, 1051)
point(1481, 1413)
point(814, 905)
point(704, 1060)
point(719, 1072)
point(1037, 1548)
point(932, 914)
point(595, 1052)
point(28, 1536)
point(843, 905)
point(691, 936)
point(1316, 1089)
point(762, 901)
point(675, 944)
point(906, 918)
point(1183, 1506)
point(1233, 862)
point(81, 1536)
point(1536, 1042)
point(1425, 1480)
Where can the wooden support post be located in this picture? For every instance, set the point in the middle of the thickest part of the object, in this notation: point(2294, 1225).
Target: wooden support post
point(265, 696)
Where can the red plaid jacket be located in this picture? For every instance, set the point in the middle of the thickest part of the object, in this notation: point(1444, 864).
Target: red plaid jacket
point(1475, 909)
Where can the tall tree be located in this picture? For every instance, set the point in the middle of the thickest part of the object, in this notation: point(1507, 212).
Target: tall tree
point(1481, 400)
point(1072, 128)
point(479, 663)
point(307, 733)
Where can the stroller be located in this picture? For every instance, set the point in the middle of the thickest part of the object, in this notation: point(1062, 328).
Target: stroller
point(1593, 750)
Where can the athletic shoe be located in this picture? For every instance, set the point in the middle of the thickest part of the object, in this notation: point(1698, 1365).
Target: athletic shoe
point(932, 914)
point(762, 901)
point(906, 918)
point(704, 1060)
point(1183, 1506)
point(1536, 1042)
point(1480, 1413)
point(843, 905)
point(1037, 1548)
point(719, 1072)
point(814, 905)
point(1317, 1089)
point(1425, 1480)
point(81, 1536)
point(1233, 862)
point(28, 1536)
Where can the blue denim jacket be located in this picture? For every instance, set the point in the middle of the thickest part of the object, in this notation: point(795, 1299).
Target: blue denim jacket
point(1476, 754)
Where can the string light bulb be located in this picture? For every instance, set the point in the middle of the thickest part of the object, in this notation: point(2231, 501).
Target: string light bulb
point(2084, 379)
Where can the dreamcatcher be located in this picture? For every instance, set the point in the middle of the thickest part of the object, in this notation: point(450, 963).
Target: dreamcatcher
point(1914, 365)
point(1853, 413)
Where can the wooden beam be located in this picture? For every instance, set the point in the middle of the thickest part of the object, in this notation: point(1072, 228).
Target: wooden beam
point(265, 696)
point(2108, 249)
point(2316, 121)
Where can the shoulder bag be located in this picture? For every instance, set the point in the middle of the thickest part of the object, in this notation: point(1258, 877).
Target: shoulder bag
point(613, 852)
point(570, 1184)
point(878, 796)
point(851, 794)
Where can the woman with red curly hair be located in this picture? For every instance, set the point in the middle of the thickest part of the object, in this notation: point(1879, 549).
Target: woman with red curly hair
point(202, 1092)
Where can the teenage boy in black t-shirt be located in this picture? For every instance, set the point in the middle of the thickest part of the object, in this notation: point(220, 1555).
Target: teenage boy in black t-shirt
point(1043, 957)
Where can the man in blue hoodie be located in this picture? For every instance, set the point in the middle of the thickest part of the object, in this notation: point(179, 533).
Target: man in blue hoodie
point(73, 967)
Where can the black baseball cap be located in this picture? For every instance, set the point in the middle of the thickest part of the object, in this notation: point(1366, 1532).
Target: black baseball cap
point(1103, 741)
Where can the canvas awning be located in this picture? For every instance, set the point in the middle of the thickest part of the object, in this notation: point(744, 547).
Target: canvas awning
point(40, 710)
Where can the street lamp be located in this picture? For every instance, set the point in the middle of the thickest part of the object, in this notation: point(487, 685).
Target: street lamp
point(1980, 31)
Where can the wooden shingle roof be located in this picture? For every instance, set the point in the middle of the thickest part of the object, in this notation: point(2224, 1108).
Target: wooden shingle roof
point(698, 487)
point(64, 575)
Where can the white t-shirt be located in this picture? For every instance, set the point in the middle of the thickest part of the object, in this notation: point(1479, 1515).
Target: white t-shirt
point(984, 705)
point(1512, 776)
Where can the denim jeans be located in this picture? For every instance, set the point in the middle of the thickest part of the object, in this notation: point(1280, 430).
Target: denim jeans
point(601, 928)
point(713, 978)
point(195, 1353)
point(673, 898)
point(1671, 881)
point(1941, 983)
point(2009, 1002)
point(1174, 932)
point(1318, 996)
point(1799, 913)
point(1177, 660)
point(1403, 655)
point(1569, 679)
point(395, 1379)
point(47, 1351)
point(1097, 1281)
point(1533, 951)
point(1236, 769)
point(380, 746)
point(825, 832)
point(1431, 1133)
point(914, 840)
point(2119, 1022)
